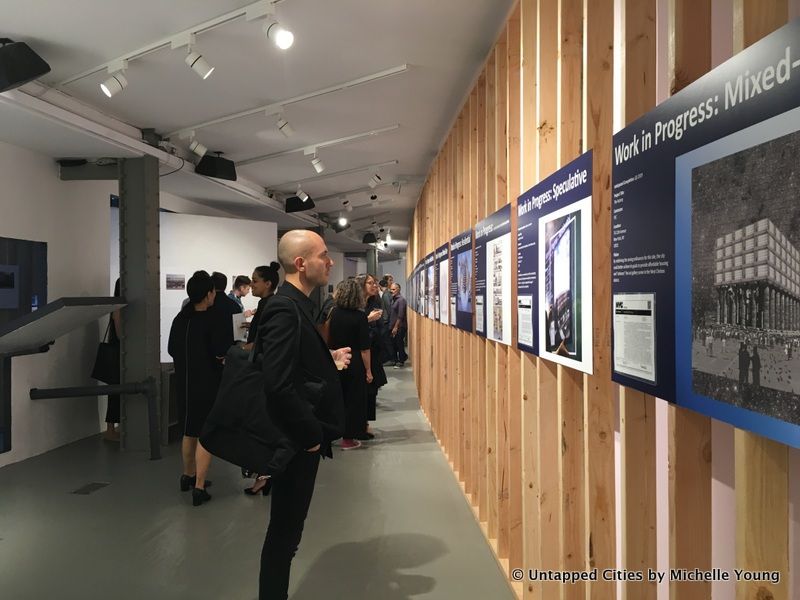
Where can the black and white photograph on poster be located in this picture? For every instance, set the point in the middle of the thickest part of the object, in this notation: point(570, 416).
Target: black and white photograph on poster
point(493, 266)
point(635, 331)
point(465, 269)
point(443, 283)
point(430, 287)
point(705, 217)
point(9, 287)
point(176, 282)
point(421, 290)
point(461, 277)
point(565, 262)
point(745, 232)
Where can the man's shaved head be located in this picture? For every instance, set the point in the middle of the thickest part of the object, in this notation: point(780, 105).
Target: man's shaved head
point(296, 243)
point(304, 256)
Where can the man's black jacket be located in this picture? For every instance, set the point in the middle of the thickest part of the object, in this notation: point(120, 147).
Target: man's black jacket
point(304, 395)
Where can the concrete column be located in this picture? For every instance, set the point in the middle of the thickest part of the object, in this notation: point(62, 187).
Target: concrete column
point(372, 261)
point(139, 272)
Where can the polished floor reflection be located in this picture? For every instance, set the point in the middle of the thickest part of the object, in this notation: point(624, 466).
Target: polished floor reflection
point(388, 522)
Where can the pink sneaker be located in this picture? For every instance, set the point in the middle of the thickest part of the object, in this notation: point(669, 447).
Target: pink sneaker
point(350, 444)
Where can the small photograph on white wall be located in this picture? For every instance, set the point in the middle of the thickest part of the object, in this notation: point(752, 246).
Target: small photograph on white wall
point(176, 282)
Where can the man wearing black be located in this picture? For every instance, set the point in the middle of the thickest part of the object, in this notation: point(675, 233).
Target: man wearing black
point(304, 396)
point(398, 324)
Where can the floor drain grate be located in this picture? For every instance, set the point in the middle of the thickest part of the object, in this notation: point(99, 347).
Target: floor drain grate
point(90, 488)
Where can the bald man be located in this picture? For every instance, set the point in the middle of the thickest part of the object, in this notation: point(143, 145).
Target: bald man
point(303, 395)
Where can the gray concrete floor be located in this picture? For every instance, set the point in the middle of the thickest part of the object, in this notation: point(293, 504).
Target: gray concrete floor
point(387, 522)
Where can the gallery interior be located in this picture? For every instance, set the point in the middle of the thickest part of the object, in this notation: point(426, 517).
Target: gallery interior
point(589, 207)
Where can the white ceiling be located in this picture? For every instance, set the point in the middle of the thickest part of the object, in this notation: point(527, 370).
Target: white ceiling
point(444, 42)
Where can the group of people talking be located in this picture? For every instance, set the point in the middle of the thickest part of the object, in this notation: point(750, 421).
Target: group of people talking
point(339, 352)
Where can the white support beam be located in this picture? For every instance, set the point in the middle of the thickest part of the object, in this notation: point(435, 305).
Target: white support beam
point(312, 148)
point(291, 184)
point(277, 107)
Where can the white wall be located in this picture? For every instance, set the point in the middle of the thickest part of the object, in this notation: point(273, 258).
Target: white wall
point(397, 268)
point(191, 242)
point(72, 217)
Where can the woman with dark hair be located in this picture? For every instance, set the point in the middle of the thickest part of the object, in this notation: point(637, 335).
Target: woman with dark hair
point(263, 284)
point(377, 332)
point(197, 343)
point(349, 328)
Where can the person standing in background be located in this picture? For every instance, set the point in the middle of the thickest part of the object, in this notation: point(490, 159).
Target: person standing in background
point(398, 326)
point(198, 341)
point(386, 337)
point(378, 330)
point(111, 433)
point(349, 327)
point(241, 287)
point(263, 285)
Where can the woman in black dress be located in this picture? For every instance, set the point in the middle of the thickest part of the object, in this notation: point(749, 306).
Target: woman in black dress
point(377, 333)
point(198, 341)
point(348, 328)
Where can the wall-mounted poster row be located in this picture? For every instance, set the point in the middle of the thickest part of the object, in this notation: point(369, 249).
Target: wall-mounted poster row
point(706, 243)
point(461, 276)
point(442, 258)
point(493, 276)
point(554, 266)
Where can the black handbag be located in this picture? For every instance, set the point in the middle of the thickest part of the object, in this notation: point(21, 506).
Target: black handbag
point(106, 363)
point(239, 428)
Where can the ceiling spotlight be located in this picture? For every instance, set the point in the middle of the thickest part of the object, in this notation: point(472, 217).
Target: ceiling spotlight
point(279, 35)
point(114, 84)
point(342, 221)
point(375, 181)
point(198, 148)
point(373, 197)
point(388, 236)
point(318, 165)
point(199, 64)
point(385, 244)
point(302, 195)
point(284, 127)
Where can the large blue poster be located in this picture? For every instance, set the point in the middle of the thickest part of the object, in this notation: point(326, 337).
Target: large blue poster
point(706, 243)
point(554, 266)
point(461, 276)
point(493, 276)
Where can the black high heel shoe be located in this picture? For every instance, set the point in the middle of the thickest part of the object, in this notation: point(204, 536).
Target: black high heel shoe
point(263, 490)
point(200, 495)
point(187, 482)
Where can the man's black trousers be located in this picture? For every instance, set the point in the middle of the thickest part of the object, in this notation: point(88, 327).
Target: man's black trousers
point(291, 497)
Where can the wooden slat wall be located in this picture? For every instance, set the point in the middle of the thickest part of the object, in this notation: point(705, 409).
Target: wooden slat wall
point(531, 443)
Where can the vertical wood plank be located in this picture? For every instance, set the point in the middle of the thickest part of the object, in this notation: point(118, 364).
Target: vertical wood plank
point(491, 348)
point(570, 382)
point(637, 410)
point(689, 432)
point(549, 426)
point(501, 199)
point(638, 432)
point(480, 344)
point(515, 479)
point(529, 17)
point(761, 465)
